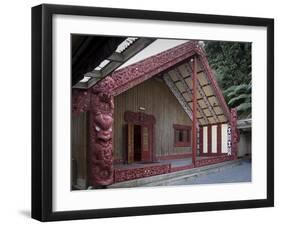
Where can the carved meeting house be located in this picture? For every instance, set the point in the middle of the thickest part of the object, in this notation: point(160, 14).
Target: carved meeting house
point(159, 114)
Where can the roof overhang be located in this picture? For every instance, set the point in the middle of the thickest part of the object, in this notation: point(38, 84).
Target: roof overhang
point(99, 61)
point(175, 67)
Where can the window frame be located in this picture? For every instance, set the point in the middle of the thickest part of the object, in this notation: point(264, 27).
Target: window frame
point(187, 141)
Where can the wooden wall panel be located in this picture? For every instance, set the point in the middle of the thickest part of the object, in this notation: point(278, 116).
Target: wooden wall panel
point(158, 100)
point(214, 139)
point(200, 140)
point(79, 139)
point(205, 139)
point(224, 138)
point(209, 139)
point(219, 138)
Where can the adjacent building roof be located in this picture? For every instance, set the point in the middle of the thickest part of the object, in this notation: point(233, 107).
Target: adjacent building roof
point(244, 124)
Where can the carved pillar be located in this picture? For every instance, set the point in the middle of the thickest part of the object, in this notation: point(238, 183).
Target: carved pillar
point(80, 101)
point(194, 110)
point(100, 138)
point(235, 136)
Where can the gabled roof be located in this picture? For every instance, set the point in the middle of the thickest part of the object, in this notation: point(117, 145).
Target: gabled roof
point(175, 66)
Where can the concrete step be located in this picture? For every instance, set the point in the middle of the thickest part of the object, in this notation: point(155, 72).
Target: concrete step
point(163, 179)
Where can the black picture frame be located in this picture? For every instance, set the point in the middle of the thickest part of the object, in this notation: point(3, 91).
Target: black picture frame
point(42, 111)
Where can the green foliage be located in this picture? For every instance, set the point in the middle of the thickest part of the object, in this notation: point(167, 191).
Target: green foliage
point(237, 99)
point(244, 107)
point(231, 62)
point(239, 96)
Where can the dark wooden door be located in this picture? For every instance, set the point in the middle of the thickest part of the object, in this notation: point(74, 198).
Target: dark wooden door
point(137, 143)
point(130, 137)
point(145, 143)
point(145, 124)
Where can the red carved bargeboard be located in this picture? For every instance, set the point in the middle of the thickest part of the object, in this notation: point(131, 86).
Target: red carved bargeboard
point(235, 136)
point(136, 173)
point(141, 71)
point(208, 161)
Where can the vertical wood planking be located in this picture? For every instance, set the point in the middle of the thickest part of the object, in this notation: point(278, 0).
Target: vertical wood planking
point(130, 133)
point(205, 139)
point(158, 100)
point(200, 140)
point(79, 139)
point(224, 138)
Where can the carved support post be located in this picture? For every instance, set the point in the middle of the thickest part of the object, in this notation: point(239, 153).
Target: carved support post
point(194, 111)
point(80, 101)
point(235, 136)
point(100, 138)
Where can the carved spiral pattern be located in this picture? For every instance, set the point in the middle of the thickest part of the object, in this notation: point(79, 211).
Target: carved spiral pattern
point(235, 136)
point(208, 161)
point(130, 174)
point(101, 154)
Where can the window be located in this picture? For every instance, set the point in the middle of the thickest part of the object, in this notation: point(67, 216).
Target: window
point(182, 135)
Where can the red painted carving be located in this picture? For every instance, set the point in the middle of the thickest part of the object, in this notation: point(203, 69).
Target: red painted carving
point(139, 118)
point(212, 154)
point(235, 136)
point(209, 161)
point(80, 101)
point(136, 173)
point(101, 154)
point(135, 74)
point(179, 168)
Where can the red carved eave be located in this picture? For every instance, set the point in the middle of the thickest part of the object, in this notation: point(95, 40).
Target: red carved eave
point(139, 72)
point(124, 79)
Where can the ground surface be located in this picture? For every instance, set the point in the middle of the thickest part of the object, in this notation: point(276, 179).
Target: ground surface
point(237, 173)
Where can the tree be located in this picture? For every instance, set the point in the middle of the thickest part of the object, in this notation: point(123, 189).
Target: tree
point(231, 62)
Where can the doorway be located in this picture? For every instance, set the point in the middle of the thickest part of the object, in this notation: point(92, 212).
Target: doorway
point(140, 135)
point(137, 143)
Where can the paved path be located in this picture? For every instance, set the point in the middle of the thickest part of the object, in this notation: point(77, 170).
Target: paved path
point(238, 173)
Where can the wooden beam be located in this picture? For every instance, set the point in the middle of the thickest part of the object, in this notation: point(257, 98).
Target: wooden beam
point(116, 57)
point(178, 95)
point(116, 60)
point(194, 112)
point(205, 99)
point(188, 90)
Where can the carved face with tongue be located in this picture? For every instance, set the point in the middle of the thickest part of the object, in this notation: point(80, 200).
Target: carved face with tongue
point(101, 139)
point(103, 127)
